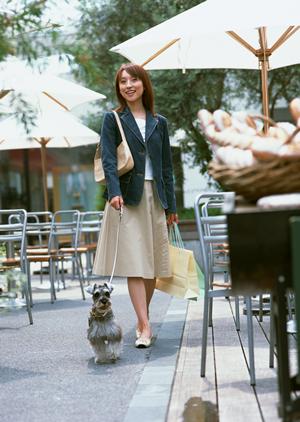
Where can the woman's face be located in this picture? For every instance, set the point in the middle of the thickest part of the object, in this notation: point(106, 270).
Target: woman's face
point(131, 88)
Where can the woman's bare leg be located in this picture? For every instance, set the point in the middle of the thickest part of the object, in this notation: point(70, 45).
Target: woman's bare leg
point(138, 296)
point(149, 286)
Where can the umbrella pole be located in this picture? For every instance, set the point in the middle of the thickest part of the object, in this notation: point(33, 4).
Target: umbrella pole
point(43, 143)
point(265, 93)
point(263, 55)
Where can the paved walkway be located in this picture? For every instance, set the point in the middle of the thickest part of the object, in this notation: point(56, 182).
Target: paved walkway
point(47, 370)
point(151, 399)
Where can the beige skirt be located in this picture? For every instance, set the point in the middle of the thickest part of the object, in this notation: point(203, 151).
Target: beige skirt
point(143, 239)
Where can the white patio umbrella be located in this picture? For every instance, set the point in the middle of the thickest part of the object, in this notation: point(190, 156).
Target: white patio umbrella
point(239, 34)
point(54, 128)
point(16, 76)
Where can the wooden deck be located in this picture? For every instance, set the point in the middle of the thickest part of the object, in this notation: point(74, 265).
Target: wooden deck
point(225, 393)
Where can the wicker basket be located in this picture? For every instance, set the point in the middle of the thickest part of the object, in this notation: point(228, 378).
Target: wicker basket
point(265, 178)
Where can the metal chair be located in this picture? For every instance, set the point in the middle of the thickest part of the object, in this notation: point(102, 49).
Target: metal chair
point(90, 224)
point(38, 231)
point(39, 250)
point(218, 253)
point(64, 238)
point(13, 236)
point(212, 232)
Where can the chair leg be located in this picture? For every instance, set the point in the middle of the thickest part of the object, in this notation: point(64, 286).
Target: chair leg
point(28, 304)
point(81, 268)
point(289, 305)
point(88, 266)
point(73, 268)
point(237, 313)
point(80, 275)
point(272, 335)
point(89, 257)
point(63, 274)
point(204, 334)
point(250, 340)
point(29, 289)
point(226, 277)
point(261, 307)
point(52, 279)
point(210, 312)
point(41, 273)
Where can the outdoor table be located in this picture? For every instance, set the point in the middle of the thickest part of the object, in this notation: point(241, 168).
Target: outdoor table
point(261, 261)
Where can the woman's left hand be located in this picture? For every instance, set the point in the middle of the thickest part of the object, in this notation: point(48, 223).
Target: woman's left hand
point(172, 218)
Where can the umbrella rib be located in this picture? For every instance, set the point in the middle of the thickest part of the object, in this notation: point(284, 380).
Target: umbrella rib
point(168, 45)
point(37, 140)
point(55, 100)
point(284, 37)
point(241, 40)
point(4, 92)
point(67, 142)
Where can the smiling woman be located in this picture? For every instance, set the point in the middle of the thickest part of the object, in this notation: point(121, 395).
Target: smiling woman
point(145, 193)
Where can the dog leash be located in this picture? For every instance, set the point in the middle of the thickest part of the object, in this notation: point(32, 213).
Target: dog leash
point(117, 246)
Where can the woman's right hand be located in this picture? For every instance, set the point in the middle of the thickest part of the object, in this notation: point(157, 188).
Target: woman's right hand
point(117, 202)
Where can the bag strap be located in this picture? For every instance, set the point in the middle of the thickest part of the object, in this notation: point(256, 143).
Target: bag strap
point(175, 237)
point(120, 127)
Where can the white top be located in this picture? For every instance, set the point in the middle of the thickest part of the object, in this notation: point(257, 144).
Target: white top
point(148, 168)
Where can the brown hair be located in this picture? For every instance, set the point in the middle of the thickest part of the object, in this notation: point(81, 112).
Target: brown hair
point(139, 72)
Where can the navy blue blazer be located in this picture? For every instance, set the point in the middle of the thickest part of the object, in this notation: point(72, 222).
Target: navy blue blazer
point(130, 186)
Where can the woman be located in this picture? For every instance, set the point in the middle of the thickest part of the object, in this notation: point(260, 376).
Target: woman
point(146, 194)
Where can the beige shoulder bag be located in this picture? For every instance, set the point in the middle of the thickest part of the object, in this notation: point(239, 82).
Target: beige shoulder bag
point(124, 157)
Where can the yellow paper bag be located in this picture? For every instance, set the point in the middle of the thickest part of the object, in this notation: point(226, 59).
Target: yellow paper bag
point(184, 281)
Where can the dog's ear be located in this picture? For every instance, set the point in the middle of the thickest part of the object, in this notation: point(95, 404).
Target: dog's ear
point(109, 286)
point(90, 289)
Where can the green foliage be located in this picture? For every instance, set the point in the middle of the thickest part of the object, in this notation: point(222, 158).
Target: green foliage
point(2, 250)
point(100, 201)
point(19, 27)
point(12, 280)
point(189, 213)
point(186, 214)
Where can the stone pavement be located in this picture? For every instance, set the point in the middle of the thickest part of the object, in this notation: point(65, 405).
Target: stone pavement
point(151, 399)
point(47, 371)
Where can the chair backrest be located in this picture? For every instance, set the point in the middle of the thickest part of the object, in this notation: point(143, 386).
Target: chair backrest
point(90, 224)
point(217, 251)
point(212, 229)
point(65, 227)
point(13, 233)
point(38, 227)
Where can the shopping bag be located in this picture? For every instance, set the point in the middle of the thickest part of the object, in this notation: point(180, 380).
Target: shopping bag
point(187, 278)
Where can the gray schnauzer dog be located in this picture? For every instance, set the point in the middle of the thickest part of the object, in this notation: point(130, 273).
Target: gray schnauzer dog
point(104, 334)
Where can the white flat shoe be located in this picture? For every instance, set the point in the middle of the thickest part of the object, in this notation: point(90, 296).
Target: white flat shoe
point(138, 333)
point(143, 342)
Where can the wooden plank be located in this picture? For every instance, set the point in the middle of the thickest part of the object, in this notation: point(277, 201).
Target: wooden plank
point(266, 388)
point(236, 398)
point(193, 397)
